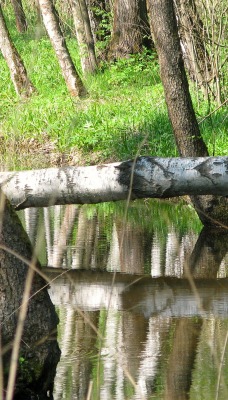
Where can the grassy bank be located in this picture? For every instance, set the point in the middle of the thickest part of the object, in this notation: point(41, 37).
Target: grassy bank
point(125, 112)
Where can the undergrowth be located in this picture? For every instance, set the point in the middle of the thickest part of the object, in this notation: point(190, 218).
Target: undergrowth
point(125, 110)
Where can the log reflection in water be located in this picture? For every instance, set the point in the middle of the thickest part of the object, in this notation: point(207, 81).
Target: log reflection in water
point(138, 302)
point(39, 351)
point(167, 297)
point(143, 302)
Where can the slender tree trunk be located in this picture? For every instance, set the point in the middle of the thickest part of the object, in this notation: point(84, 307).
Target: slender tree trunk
point(19, 15)
point(84, 36)
point(210, 209)
point(130, 27)
point(174, 79)
point(51, 22)
point(18, 72)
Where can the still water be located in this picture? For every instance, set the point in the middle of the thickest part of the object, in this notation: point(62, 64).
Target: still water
point(142, 298)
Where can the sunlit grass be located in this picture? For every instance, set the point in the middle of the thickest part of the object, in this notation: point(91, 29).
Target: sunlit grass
point(126, 106)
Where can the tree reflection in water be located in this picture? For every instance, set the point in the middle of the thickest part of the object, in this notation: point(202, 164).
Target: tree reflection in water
point(132, 324)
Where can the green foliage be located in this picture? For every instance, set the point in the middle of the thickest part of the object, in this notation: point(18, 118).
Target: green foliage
point(124, 115)
point(215, 132)
point(103, 31)
point(213, 125)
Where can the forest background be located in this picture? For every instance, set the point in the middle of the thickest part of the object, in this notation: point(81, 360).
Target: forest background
point(122, 111)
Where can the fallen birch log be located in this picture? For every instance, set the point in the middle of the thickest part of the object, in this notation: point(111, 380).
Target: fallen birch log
point(142, 294)
point(143, 178)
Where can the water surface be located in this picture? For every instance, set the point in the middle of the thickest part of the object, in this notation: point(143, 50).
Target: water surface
point(142, 299)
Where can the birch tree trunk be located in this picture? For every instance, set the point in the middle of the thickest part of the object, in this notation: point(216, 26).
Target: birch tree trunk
point(84, 36)
point(18, 72)
point(144, 177)
point(51, 22)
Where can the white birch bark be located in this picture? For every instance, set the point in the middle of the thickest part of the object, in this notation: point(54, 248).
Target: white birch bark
point(59, 247)
point(51, 22)
point(84, 36)
point(18, 73)
point(146, 177)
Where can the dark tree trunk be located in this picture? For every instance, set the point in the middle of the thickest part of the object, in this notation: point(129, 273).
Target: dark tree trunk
point(38, 352)
point(18, 72)
point(130, 28)
point(210, 209)
point(209, 251)
point(20, 17)
point(174, 79)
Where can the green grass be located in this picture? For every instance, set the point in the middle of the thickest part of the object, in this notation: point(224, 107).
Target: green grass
point(124, 113)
